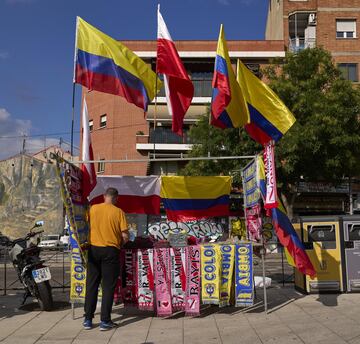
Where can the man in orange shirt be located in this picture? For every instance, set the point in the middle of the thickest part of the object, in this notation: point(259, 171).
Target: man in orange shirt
point(108, 232)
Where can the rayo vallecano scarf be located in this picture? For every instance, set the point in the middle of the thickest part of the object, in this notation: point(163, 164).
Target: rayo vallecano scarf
point(145, 279)
point(192, 300)
point(130, 292)
point(162, 281)
point(178, 278)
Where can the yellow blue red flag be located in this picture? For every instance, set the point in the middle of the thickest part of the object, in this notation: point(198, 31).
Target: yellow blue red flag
point(270, 119)
point(294, 249)
point(228, 107)
point(106, 65)
point(191, 198)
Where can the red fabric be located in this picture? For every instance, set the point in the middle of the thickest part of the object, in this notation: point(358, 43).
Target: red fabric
point(135, 204)
point(191, 215)
point(301, 259)
point(181, 88)
point(257, 134)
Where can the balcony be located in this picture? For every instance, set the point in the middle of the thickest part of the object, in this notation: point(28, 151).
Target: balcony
point(163, 139)
point(202, 88)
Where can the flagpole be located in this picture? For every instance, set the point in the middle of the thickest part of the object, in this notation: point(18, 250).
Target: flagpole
point(72, 122)
point(156, 85)
point(73, 93)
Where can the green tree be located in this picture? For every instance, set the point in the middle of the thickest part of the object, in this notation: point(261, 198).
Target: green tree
point(323, 144)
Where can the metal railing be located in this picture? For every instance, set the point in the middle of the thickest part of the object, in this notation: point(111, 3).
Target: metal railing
point(165, 135)
point(202, 88)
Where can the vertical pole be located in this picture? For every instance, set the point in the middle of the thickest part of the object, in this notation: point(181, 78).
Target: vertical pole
point(63, 268)
point(5, 256)
point(72, 122)
point(73, 310)
point(351, 208)
point(263, 272)
point(282, 266)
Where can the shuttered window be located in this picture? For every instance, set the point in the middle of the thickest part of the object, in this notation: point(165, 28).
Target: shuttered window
point(345, 28)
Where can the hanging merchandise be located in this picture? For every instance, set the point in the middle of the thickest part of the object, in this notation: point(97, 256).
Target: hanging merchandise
point(210, 273)
point(271, 189)
point(162, 282)
point(129, 291)
point(192, 301)
point(253, 222)
point(178, 278)
point(250, 187)
point(244, 282)
point(227, 269)
point(145, 279)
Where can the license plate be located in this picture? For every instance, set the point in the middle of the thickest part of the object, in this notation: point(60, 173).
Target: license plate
point(41, 275)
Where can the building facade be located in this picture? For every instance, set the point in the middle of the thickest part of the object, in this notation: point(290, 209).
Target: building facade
point(121, 131)
point(331, 24)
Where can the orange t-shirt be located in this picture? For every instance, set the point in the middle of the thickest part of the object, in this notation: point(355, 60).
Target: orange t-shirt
point(106, 224)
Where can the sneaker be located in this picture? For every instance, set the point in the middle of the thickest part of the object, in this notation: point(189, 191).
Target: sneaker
point(107, 325)
point(87, 324)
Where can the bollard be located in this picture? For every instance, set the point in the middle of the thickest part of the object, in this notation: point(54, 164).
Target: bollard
point(5, 254)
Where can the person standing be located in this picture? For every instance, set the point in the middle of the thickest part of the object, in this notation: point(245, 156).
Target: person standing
point(108, 232)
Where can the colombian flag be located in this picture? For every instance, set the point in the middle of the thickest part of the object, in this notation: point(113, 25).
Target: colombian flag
point(192, 198)
point(270, 119)
point(106, 65)
point(228, 107)
point(295, 250)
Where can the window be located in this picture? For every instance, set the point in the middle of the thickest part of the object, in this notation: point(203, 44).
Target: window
point(345, 28)
point(103, 121)
point(349, 71)
point(101, 166)
point(91, 125)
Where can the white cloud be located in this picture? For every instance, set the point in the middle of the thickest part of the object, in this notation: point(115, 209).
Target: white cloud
point(12, 131)
point(4, 55)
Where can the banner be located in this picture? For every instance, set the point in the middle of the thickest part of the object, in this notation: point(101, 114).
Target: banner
point(128, 257)
point(227, 269)
point(271, 189)
point(145, 279)
point(192, 301)
point(210, 273)
point(254, 222)
point(162, 281)
point(250, 185)
point(178, 278)
point(76, 218)
point(244, 280)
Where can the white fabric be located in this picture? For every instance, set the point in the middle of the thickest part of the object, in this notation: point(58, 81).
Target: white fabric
point(86, 142)
point(128, 185)
point(259, 282)
point(163, 31)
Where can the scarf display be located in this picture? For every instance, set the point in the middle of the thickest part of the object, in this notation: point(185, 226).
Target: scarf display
point(145, 279)
point(244, 280)
point(192, 298)
point(162, 281)
point(178, 278)
point(226, 273)
point(210, 273)
point(129, 291)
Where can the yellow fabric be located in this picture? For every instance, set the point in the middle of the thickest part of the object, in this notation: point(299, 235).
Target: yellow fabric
point(227, 269)
point(93, 41)
point(106, 224)
point(264, 99)
point(237, 108)
point(179, 187)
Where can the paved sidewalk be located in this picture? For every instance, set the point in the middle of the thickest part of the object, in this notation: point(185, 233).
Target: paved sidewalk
point(292, 318)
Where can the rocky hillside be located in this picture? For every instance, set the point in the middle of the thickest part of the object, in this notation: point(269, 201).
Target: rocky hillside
point(29, 191)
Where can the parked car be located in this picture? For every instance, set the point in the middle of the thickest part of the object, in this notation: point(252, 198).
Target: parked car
point(50, 241)
point(64, 241)
point(3, 240)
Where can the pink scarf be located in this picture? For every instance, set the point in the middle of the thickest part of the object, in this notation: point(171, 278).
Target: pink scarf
point(162, 282)
point(192, 300)
point(178, 278)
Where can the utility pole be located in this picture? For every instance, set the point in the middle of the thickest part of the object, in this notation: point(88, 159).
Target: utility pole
point(23, 145)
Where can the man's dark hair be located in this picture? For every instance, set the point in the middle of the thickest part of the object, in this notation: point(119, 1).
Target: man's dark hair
point(112, 192)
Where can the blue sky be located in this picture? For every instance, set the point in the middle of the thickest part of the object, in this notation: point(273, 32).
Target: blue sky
point(37, 49)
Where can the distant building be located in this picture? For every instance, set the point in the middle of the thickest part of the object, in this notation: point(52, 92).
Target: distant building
point(331, 24)
point(119, 130)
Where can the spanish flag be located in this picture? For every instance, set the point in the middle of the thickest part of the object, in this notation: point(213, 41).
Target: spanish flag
point(192, 198)
point(106, 65)
point(270, 119)
point(228, 106)
point(294, 249)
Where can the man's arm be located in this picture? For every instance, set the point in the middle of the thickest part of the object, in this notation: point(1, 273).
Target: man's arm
point(124, 229)
point(125, 236)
